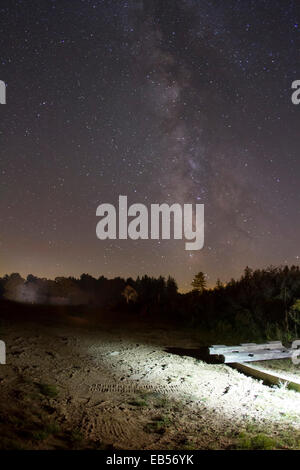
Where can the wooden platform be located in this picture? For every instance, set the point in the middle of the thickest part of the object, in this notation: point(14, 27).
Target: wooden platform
point(238, 356)
point(248, 352)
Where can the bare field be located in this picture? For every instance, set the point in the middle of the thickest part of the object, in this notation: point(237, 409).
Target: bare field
point(77, 387)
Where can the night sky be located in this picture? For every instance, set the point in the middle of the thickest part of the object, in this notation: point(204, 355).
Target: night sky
point(163, 101)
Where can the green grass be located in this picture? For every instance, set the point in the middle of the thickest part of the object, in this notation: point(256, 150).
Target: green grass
point(76, 436)
point(40, 435)
point(259, 442)
point(158, 425)
point(162, 402)
point(53, 428)
point(48, 390)
point(155, 399)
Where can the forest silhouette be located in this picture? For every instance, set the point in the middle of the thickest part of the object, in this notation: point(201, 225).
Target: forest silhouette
point(263, 303)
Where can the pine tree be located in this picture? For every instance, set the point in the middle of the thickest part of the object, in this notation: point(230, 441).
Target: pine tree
point(199, 282)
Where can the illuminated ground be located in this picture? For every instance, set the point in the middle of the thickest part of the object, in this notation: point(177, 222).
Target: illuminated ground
point(77, 387)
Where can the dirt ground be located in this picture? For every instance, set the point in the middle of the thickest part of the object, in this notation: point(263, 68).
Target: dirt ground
point(76, 387)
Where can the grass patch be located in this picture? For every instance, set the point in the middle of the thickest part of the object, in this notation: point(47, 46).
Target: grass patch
point(259, 442)
point(48, 390)
point(252, 438)
point(53, 428)
point(76, 436)
point(155, 399)
point(162, 402)
point(158, 425)
point(40, 435)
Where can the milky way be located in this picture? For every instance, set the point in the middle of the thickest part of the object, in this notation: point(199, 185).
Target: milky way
point(175, 101)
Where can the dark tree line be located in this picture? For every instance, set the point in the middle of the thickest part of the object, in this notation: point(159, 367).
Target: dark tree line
point(144, 291)
point(262, 300)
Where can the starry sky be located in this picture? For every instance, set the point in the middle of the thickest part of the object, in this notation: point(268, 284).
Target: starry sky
point(185, 101)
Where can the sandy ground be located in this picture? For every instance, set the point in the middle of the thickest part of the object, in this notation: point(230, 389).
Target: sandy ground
point(101, 386)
